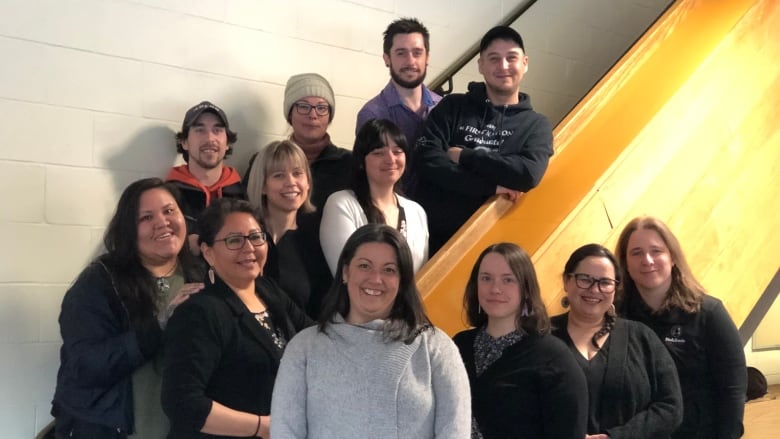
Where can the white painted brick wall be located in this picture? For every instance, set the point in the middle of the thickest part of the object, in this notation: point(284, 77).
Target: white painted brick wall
point(92, 92)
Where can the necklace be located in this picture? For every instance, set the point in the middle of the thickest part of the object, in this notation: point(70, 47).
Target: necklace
point(163, 285)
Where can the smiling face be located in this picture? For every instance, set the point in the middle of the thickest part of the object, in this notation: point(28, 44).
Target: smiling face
point(286, 187)
point(590, 303)
point(408, 60)
point(161, 227)
point(206, 142)
point(372, 278)
point(503, 65)
point(309, 128)
point(649, 262)
point(385, 165)
point(236, 267)
point(498, 289)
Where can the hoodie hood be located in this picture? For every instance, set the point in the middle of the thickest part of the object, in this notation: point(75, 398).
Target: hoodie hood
point(477, 91)
point(182, 174)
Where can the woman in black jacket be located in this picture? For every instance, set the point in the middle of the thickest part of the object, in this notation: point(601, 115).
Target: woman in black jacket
point(224, 345)
point(661, 292)
point(108, 383)
point(632, 382)
point(524, 382)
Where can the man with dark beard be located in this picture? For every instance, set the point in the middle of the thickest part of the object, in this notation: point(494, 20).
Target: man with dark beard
point(405, 100)
point(204, 141)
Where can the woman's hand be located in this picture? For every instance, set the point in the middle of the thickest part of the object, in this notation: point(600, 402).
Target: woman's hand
point(596, 436)
point(183, 294)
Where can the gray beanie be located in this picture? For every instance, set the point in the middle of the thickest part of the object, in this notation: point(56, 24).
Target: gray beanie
point(307, 84)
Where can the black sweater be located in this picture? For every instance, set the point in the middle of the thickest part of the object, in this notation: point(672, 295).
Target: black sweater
point(710, 361)
point(535, 390)
point(640, 393)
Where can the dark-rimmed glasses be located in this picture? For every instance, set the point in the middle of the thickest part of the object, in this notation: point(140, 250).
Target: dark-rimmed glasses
point(304, 108)
point(586, 281)
point(237, 242)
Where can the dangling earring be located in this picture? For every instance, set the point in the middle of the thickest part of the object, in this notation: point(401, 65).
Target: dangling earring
point(612, 311)
point(525, 309)
point(565, 302)
point(211, 275)
point(479, 309)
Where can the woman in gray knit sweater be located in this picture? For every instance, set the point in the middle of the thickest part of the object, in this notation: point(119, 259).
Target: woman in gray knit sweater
point(374, 366)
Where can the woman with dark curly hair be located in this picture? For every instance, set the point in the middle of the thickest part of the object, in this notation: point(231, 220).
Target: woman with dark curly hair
point(632, 382)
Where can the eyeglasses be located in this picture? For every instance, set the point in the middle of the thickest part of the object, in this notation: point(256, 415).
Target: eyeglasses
point(584, 281)
point(304, 108)
point(237, 242)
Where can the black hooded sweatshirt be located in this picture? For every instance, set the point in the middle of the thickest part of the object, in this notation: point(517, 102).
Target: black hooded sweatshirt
point(503, 145)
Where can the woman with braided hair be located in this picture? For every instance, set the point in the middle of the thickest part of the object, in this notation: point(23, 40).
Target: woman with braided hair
point(633, 389)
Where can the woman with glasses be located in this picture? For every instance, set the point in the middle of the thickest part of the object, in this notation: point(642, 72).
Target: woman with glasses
point(662, 292)
point(279, 187)
point(309, 107)
point(378, 162)
point(524, 382)
point(108, 384)
point(633, 390)
point(374, 367)
point(224, 348)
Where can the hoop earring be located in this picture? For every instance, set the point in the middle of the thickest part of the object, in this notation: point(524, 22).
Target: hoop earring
point(565, 302)
point(211, 275)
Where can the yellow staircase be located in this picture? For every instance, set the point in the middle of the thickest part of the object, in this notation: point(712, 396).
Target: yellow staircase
point(684, 128)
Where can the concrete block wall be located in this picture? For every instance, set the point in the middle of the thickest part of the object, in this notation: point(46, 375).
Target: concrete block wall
point(92, 92)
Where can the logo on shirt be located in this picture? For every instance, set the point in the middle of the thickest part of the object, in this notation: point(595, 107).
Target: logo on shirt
point(488, 138)
point(675, 335)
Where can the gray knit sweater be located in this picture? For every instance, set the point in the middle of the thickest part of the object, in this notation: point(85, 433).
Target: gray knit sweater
point(349, 383)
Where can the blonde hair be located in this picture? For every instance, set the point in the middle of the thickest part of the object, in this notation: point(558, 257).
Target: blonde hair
point(274, 156)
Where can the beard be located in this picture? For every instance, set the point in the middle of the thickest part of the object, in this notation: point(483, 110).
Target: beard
point(408, 84)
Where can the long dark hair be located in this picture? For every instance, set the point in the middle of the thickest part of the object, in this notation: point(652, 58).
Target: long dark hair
point(598, 251)
point(685, 292)
point(407, 316)
point(535, 319)
point(133, 282)
point(374, 134)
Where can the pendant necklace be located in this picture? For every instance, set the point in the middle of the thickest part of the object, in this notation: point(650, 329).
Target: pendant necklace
point(163, 285)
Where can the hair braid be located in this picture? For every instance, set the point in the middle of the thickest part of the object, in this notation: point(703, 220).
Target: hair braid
point(606, 328)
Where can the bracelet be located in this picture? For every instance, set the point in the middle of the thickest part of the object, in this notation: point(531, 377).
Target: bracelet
point(259, 421)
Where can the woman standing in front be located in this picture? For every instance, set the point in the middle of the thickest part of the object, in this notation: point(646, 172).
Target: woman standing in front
point(524, 382)
point(374, 367)
point(632, 382)
point(108, 384)
point(661, 292)
point(223, 349)
point(378, 162)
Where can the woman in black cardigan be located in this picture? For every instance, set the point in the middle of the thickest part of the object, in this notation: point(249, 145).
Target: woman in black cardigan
point(633, 388)
point(524, 382)
point(226, 342)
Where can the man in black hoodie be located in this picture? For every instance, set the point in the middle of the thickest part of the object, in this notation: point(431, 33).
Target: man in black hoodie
point(485, 142)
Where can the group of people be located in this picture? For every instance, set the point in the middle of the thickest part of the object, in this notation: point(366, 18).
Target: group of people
point(223, 302)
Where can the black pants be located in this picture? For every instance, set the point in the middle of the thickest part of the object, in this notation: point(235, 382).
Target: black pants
point(70, 428)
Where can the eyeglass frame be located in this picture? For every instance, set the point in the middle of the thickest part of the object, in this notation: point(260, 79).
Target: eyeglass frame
point(578, 278)
point(300, 106)
point(244, 239)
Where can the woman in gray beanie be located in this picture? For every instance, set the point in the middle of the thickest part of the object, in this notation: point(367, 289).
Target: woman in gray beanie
point(309, 106)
